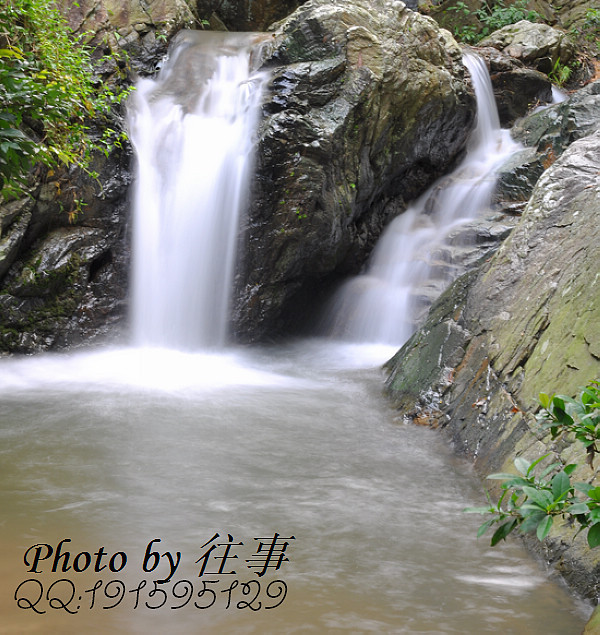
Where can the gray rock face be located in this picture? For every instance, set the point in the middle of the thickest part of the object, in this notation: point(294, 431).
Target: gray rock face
point(349, 134)
point(537, 45)
point(547, 133)
point(140, 27)
point(369, 104)
point(526, 322)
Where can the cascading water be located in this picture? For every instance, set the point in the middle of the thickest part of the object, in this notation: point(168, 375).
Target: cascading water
point(381, 305)
point(192, 130)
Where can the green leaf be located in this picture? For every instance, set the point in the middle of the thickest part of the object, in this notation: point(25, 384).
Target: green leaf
point(503, 531)
point(522, 465)
point(486, 525)
point(544, 527)
point(594, 493)
point(532, 521)
point(583, 487)
point(11, 52)
point(537, 462)
point(540, 497)
point(544, 400)
point(569, 469)
point(549, 469)
point(560, 486)
point(578, 508)
point(593, 536)
point(478, 510)
point(501, 476)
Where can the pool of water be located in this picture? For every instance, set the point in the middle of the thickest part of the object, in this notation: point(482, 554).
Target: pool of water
point(334, 514)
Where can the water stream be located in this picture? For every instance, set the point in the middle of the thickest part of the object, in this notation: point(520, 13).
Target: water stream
point(192, 130)
point(411, 263)
point(124, 457)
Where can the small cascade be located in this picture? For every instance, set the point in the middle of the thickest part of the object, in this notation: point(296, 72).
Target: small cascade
point(411, 263)
point(192, 129)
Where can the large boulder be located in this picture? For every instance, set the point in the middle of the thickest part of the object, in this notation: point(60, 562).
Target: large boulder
point(141, 28)
point(124, 22)
point(537, 45)
point(64, 259)
point(526, 322)
point(370, 102)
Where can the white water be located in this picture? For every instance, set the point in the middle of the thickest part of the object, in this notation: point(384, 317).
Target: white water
point(192, 129)
point(380, 305)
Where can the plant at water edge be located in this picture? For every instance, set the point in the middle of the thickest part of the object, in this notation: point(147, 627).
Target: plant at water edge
point(562, 415)
point(531, 501)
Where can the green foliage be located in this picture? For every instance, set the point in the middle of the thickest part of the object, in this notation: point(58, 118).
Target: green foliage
point(560, 73)
point(591, 24)
point(490, 17)
point(47, 92)
point(580, 416)
point(299, 214)
point(531, 501)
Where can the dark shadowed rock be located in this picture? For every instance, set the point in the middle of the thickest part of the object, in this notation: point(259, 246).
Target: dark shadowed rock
point(546, 134)
point(369, 104)
point(517, 88)
point(246, 15)
point(67, 283)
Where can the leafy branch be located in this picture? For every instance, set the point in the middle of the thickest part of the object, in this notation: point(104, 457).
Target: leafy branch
point(531, 501)
point(562, 415)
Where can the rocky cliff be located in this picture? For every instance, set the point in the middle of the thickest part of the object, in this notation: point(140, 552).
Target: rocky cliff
point(524, 321)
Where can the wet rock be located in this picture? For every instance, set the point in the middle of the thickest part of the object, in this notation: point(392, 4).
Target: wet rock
point(349, 136)
point(14, 220)
point(246, 15)
point(67, 280)
point(558, 126)
point(517, 88)
point(547, 133)
point(525, 322)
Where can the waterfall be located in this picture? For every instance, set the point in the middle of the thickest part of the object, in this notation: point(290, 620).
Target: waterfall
point(382, 305)
point(192, 130)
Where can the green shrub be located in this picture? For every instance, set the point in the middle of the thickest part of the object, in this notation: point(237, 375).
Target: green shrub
point(530, 501)
point(490, 17)
point(47, 92)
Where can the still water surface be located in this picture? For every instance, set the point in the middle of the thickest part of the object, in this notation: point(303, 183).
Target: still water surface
point(117, 448)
